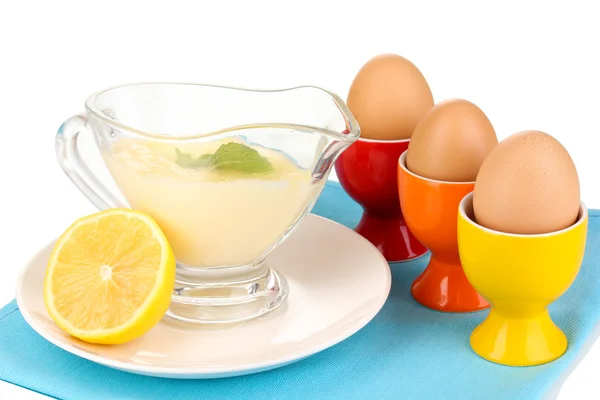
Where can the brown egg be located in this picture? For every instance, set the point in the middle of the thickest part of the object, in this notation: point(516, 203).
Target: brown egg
point(527, 185)
point(451, 142)
point(388, 97)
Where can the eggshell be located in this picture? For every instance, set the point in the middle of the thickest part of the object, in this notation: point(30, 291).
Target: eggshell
point(388, 97)
point(527, 185)
point(451, 142)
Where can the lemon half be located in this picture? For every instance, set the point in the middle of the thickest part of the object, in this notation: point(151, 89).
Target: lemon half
point(110, 277)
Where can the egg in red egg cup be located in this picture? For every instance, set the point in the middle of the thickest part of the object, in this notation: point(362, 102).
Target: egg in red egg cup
point(368, 172)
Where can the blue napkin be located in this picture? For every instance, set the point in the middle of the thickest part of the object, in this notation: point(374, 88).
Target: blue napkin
point(406, 352)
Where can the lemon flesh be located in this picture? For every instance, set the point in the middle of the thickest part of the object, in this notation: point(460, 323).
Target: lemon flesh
point(110, 277)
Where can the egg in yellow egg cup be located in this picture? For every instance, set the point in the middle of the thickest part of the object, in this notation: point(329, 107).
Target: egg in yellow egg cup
point(520, 275)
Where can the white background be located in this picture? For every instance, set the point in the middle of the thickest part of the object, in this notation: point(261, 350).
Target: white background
point(528, 65)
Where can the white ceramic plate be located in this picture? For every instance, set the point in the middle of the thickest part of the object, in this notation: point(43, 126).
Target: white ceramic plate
point(338, 283)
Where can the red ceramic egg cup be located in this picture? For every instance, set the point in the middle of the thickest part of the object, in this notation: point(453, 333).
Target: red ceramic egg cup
point(431, 211)
point(368, 172)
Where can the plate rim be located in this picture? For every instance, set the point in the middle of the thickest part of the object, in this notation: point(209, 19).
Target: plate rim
point(216, 372)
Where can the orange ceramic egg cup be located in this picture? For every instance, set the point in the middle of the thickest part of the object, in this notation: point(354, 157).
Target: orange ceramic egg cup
point(430, 209)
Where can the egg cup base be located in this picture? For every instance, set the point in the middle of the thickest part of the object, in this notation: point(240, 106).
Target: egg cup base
point(443, 286)
point(518, 342)
point(391, 236)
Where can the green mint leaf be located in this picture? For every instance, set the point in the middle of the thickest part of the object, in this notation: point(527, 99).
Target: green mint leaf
point(187, 161)
point(240, 158)
point(232, 156)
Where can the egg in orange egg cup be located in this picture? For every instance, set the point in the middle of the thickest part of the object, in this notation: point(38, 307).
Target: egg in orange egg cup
point(430, 208)
point(520, 274)
point(367, 171)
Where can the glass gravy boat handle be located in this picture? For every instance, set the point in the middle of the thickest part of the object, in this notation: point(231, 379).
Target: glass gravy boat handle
point(76, 169)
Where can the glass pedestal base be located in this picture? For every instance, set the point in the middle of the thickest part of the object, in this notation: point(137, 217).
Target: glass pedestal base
point(226, 295)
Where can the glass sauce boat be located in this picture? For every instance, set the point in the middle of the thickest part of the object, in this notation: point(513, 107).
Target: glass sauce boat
point(227, 173)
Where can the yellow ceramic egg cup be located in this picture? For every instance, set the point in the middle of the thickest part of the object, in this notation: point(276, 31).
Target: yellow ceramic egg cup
point(520, 275)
